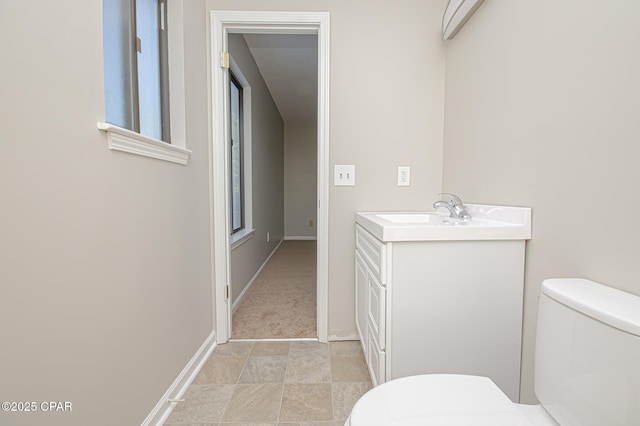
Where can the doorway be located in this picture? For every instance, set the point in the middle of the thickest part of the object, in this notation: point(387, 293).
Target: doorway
point(223, 23)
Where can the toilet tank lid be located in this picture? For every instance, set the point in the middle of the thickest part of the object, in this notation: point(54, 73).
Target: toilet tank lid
point(608, 305)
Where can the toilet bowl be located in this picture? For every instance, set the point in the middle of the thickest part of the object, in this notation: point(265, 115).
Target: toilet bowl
point(444, 399)
point(576, 381)
point(437, 399)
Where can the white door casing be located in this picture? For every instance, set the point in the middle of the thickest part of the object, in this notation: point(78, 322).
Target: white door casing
point(221, 24)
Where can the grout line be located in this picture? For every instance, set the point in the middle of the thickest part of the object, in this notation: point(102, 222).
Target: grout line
point(235, 385)
point(226, 406)
point(246, 361)
point(284, 379)
point(333, 413)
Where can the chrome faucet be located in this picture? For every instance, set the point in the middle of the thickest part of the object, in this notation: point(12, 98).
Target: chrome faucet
point(455, 206)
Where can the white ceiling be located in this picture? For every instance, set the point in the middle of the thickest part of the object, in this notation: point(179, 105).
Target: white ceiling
point(289, 66)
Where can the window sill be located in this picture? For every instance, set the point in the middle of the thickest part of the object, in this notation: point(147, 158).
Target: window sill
point(124, 140)
point(241, 237)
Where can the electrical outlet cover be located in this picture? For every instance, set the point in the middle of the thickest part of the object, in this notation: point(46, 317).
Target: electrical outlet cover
point(404, 176)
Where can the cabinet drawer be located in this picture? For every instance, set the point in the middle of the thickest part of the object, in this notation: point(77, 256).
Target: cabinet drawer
point(373, 252)
point(377, 312)
point(376, 363)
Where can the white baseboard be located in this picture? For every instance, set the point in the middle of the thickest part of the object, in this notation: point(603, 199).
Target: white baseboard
point(301, 238)
point(234, 305)
point(176, 391)
point(343, 337)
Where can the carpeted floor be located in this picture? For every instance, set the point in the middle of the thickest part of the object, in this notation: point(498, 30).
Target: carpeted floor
point(281, 303)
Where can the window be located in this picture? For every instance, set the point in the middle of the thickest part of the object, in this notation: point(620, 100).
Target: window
point(239, 147)
point(236, 153)
point(136, 66)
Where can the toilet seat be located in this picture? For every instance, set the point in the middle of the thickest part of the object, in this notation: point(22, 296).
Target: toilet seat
point(437, 399)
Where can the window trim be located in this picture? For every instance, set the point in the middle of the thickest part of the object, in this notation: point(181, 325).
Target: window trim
point(241, 237)
point(125, 140)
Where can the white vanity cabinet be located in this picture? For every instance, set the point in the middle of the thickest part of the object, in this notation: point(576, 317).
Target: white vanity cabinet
point(440, 306)
point(371, 301)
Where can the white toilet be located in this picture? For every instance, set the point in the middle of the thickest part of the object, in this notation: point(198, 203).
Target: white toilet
point(587, 372)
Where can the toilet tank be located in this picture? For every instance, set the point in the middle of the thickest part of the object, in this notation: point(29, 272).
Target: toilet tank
point(587, 359)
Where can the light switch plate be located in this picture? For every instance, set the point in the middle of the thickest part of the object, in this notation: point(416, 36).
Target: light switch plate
point(404, 176)
point(344, 175)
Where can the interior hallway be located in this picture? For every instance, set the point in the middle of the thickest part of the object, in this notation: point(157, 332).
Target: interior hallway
point(281, 303)
point(276, 383)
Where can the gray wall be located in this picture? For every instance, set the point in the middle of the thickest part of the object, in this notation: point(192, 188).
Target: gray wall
point(386, 110)
point(106, 260)
point(300, 179)
point(267, 152)
point(542, 102)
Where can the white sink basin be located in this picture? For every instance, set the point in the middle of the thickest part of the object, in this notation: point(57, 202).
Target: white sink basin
point(487, 223)
point(425, 218)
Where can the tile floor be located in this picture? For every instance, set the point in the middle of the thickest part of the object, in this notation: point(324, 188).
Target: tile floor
point(268, 383)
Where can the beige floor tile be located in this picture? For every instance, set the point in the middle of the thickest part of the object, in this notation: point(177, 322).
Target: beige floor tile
point(349, 369)
point(202, 404)
point(345, 395)
point(308, 349)
point(308, 369)
point(264, 369)
point(295, 404)
point(345, 348)
point(233, 349)
point(270, 348)
point(306, 402)
point(254, 403)
point(221, 370)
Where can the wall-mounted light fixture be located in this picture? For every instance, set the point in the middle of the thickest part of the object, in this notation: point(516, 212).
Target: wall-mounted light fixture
point(456, 15)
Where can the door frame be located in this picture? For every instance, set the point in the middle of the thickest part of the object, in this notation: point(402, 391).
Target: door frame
point(221, 23)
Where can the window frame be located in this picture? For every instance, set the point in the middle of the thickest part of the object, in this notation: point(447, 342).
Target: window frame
point(165, 92)
point(132, 142)
point(234, 81)
point(240, 237)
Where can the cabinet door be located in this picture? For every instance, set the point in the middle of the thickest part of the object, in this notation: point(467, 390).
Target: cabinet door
point(362, 302)
point(377, 311)
point(376, 362)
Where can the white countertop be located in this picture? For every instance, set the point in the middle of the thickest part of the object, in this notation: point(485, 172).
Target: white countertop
point(487, 223)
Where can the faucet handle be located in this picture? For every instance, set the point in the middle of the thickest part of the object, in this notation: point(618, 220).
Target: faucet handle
point(455, 200)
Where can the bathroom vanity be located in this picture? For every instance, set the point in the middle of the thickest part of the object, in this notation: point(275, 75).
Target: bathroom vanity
point(440, 295)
